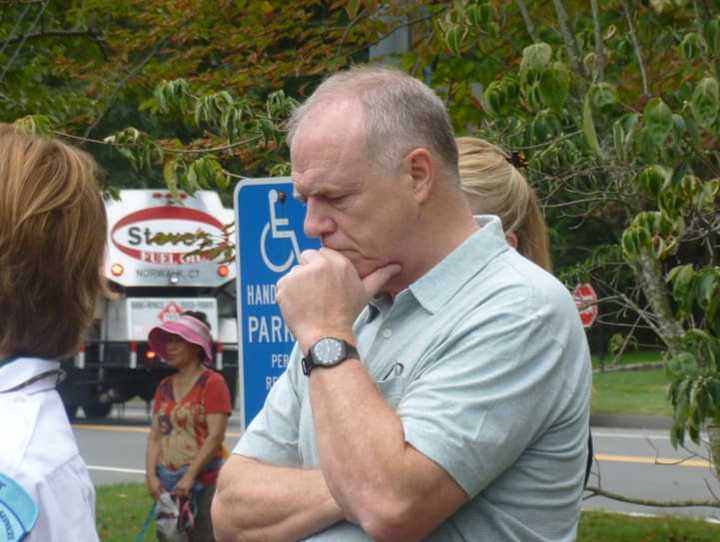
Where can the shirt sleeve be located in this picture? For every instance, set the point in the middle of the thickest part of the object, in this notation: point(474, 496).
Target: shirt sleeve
point(272, 436)
point(217, 395)
point(66, 499)
point(484, 394)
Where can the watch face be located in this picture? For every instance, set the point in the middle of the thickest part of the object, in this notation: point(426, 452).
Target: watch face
point(328, 351)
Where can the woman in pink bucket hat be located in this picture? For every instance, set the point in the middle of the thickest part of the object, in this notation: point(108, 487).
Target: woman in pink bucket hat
point(190, 411)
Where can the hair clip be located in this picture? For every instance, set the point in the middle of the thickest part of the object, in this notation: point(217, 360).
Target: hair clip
point(518, 160)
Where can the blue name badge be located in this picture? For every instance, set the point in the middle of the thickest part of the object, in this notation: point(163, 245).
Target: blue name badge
point(18, 511)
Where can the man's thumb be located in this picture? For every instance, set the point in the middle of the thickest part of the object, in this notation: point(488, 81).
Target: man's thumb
point(377, 279)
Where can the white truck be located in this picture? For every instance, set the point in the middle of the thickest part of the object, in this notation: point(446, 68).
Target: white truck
point(153, 279)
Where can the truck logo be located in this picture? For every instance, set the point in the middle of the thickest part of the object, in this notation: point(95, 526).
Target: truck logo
point(133, 234)
point(170, 312)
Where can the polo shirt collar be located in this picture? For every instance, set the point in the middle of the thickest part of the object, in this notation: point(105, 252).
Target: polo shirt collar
point(436, 287)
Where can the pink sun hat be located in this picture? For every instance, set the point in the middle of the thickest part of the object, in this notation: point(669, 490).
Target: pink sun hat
point(191, 329)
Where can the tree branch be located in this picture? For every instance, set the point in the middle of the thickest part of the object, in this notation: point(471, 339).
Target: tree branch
point(167, 150)
point(90, 34)
point(15, 27)
point(569, 39)
point(111, 100)
point(409, 23)
point(599, 492)
point(22, 42)
point(648, 275)
point(599, 45)
point(528, 21)
point(636, 47)
point(647, 317)
point(622, 348)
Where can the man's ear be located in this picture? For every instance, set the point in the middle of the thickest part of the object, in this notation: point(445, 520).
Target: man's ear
point(421, 168)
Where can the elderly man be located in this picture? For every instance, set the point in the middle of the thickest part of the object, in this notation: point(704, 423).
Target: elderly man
point(440, 383)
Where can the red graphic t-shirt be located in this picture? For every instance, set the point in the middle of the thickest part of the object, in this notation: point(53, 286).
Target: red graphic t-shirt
point(183, 425)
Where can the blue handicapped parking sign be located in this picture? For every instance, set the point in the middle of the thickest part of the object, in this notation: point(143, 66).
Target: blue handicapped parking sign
point(270, 238)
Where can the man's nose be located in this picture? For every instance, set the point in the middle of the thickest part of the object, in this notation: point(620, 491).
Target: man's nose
point(317, 222)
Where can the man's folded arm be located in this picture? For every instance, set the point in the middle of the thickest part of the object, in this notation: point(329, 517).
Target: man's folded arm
point(258, 501)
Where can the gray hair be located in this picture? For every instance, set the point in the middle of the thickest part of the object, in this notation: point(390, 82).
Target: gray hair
point(401, 114)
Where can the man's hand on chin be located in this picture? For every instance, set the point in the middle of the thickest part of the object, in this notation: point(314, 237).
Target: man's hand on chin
point(324, 295)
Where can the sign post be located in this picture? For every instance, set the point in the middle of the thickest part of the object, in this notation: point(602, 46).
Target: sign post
point(586, 302)
point(270, 238)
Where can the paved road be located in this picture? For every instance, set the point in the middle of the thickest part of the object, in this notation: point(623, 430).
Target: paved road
point(633, 462)
point(643, 464)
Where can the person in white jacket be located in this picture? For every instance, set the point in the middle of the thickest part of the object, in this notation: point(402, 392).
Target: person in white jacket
point(52, 239)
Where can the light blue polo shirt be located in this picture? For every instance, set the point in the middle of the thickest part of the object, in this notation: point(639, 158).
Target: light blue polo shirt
point(486, 363)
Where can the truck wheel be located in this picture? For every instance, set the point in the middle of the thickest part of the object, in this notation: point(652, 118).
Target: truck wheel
point(97, 410)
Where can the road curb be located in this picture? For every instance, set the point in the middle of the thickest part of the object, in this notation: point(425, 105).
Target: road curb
point(632, 422)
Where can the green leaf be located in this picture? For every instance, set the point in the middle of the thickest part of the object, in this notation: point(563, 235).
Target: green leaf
point(555, 86)
point(677, 435)
point(454, 38)
point(670, 202)
point(652, 178)
point(588, 128)
point(658, 121)
point(705, 102)
point(712, 36)
point(708, 195)
point(40, 125)
point(532, 95)
point(535, 60)
point(171, 178)
point(681, 279)
point(630, 244)
point(604, 95)
point(192, 184)
point(705, 286)
point(493, 99)
point(714, 391)
point(536, 57)
point(692, 46)
point(479, 15)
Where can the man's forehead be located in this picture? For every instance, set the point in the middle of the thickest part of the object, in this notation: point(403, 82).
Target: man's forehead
point(313, 182)
point(327, 121)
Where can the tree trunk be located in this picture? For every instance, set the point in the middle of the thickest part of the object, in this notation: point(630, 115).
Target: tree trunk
point(570, 44)
point(713, 432)
point(649, 276)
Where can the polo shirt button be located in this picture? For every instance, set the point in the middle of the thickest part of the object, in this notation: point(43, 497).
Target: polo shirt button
point(387, 333)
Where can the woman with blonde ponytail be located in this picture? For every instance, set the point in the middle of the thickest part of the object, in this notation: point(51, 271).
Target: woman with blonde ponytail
point(494, 186)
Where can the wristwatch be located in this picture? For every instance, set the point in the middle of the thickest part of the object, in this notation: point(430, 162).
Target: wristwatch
point(328, 352)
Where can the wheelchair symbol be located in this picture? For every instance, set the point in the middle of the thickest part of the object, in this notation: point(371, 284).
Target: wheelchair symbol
point(273, 227)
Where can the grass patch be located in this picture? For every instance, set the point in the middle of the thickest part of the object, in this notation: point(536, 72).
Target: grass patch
point(608, 527)
point(631, 392)
point(121, 511)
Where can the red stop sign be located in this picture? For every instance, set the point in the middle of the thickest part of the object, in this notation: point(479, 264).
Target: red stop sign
point(586, 302)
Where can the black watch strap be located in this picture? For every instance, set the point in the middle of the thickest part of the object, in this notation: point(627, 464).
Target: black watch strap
point(308, 362)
